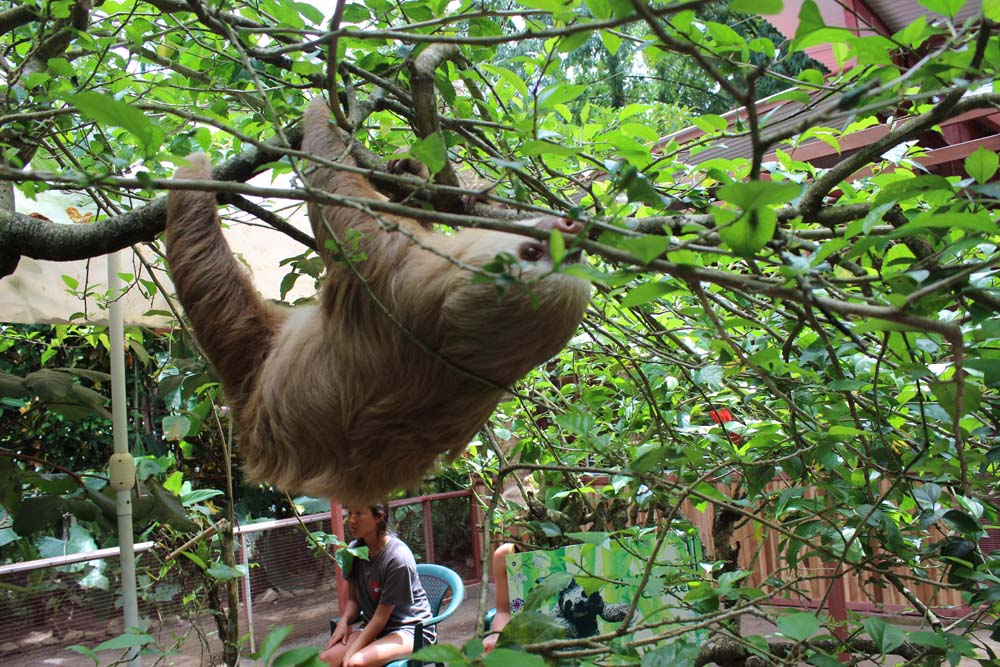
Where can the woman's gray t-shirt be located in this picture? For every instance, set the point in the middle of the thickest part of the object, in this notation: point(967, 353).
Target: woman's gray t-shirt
point(390, 577)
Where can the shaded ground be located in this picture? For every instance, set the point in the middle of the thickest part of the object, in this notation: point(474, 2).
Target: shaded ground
point(309, 615)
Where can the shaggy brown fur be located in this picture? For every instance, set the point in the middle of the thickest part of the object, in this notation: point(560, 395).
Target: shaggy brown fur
point(337, 400)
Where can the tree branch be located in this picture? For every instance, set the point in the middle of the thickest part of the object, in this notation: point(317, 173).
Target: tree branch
point(21, 235)
point(425, 116)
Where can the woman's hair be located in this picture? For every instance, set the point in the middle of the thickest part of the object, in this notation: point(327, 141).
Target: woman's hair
point(380, 511)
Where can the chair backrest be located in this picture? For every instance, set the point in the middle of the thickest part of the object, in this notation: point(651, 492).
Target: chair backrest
point(438, 581)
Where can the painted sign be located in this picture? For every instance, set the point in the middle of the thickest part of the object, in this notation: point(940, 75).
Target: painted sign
point(605, 577)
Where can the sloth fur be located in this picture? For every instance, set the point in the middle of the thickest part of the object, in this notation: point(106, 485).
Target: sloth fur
point(338, 399)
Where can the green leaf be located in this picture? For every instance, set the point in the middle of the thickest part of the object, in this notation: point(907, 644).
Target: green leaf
point(175, 427)
point(271, 643)
point(547, 588)
point(552, 6)
point(650, 458)
point(560, 93)
point(751, 195)
point(949, 8)
point(597, 539)
point(991, 9)
point(927, 495)
point(908, 188)
point(915, 33)
point(647, 292)
point(287, 283)
point(85, 651)
point(599, 9)
point(711, 375)
point(798, 627)
point(550, 529)
point(946, 394)
point(810, 20)
point(508, 77)
point(303, 655)
point(990, 368)
point(962, 522)
point(677, 652)
point(749, 232)
point(431, 150)
point(612, 42)
point(439, 653)
point(106, 110)
point(199, 496)
point(224, 572)
point(174, 482)
point(355, 13)
point(930, 639)
point(572, 42)
point(194, 558)
point(125, 641)
point(973, 221)
point(646, 248)
point(557, 246)
point(756, 6)
point(982, 164)
point(539, 147)
point(61, 67)
point(314, 15)
point(710, 122)
point(529, 627)
point(885, 636)
point(505, 657)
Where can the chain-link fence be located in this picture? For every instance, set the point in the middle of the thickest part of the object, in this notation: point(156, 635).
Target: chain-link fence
point(51, 604)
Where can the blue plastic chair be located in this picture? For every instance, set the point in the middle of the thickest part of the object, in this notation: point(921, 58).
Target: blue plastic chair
point(438, 581)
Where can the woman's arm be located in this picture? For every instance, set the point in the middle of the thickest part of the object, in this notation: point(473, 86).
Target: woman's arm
point(502, 616)
point(347, 616)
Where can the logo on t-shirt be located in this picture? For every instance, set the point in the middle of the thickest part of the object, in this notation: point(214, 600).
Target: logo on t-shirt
point(376, 590)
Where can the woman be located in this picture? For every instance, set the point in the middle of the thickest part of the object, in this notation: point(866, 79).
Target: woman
point(502, 595)
point(386, 589)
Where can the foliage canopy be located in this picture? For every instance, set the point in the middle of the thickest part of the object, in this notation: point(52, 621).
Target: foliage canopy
point(807, 351)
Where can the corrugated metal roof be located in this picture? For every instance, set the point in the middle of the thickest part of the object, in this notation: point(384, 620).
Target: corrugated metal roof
point(897, 14)
point(777, 117)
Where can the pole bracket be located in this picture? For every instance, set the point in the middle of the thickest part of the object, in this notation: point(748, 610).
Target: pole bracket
point(121, 470)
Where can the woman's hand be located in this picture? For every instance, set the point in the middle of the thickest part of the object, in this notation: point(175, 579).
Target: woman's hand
point(490, 641)
point(340, 634)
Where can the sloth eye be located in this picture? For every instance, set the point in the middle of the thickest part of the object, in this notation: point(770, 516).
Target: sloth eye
point(531, 252)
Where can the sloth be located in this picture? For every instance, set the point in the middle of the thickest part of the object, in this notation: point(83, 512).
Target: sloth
point(578, 612)
point(402, 359)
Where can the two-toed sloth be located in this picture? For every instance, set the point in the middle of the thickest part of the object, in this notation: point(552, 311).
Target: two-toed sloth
point(402, 360)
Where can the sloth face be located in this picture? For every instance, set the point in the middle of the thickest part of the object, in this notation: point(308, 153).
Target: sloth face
point(574, 603)
point(532, 250)
point(480, 247)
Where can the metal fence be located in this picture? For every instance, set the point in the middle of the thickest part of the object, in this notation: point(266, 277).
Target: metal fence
point(50, 604)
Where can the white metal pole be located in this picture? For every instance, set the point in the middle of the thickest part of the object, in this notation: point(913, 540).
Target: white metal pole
point(247, 594)
point(122, 467)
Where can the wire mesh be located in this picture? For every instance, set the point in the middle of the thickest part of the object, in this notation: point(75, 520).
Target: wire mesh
point(451, 522)
point(46, 609)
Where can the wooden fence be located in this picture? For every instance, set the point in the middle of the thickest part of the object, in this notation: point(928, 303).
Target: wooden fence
point(816, 583)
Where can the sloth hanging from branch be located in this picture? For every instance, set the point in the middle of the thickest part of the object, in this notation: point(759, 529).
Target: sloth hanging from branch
point(404, 357)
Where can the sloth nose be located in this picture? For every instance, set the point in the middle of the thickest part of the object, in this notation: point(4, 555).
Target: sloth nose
point(567, 226)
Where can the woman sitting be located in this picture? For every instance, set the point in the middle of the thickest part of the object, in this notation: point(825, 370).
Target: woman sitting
point(386, 589)
point(502, 595)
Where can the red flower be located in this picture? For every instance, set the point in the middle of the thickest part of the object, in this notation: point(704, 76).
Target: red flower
point(721, 416)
